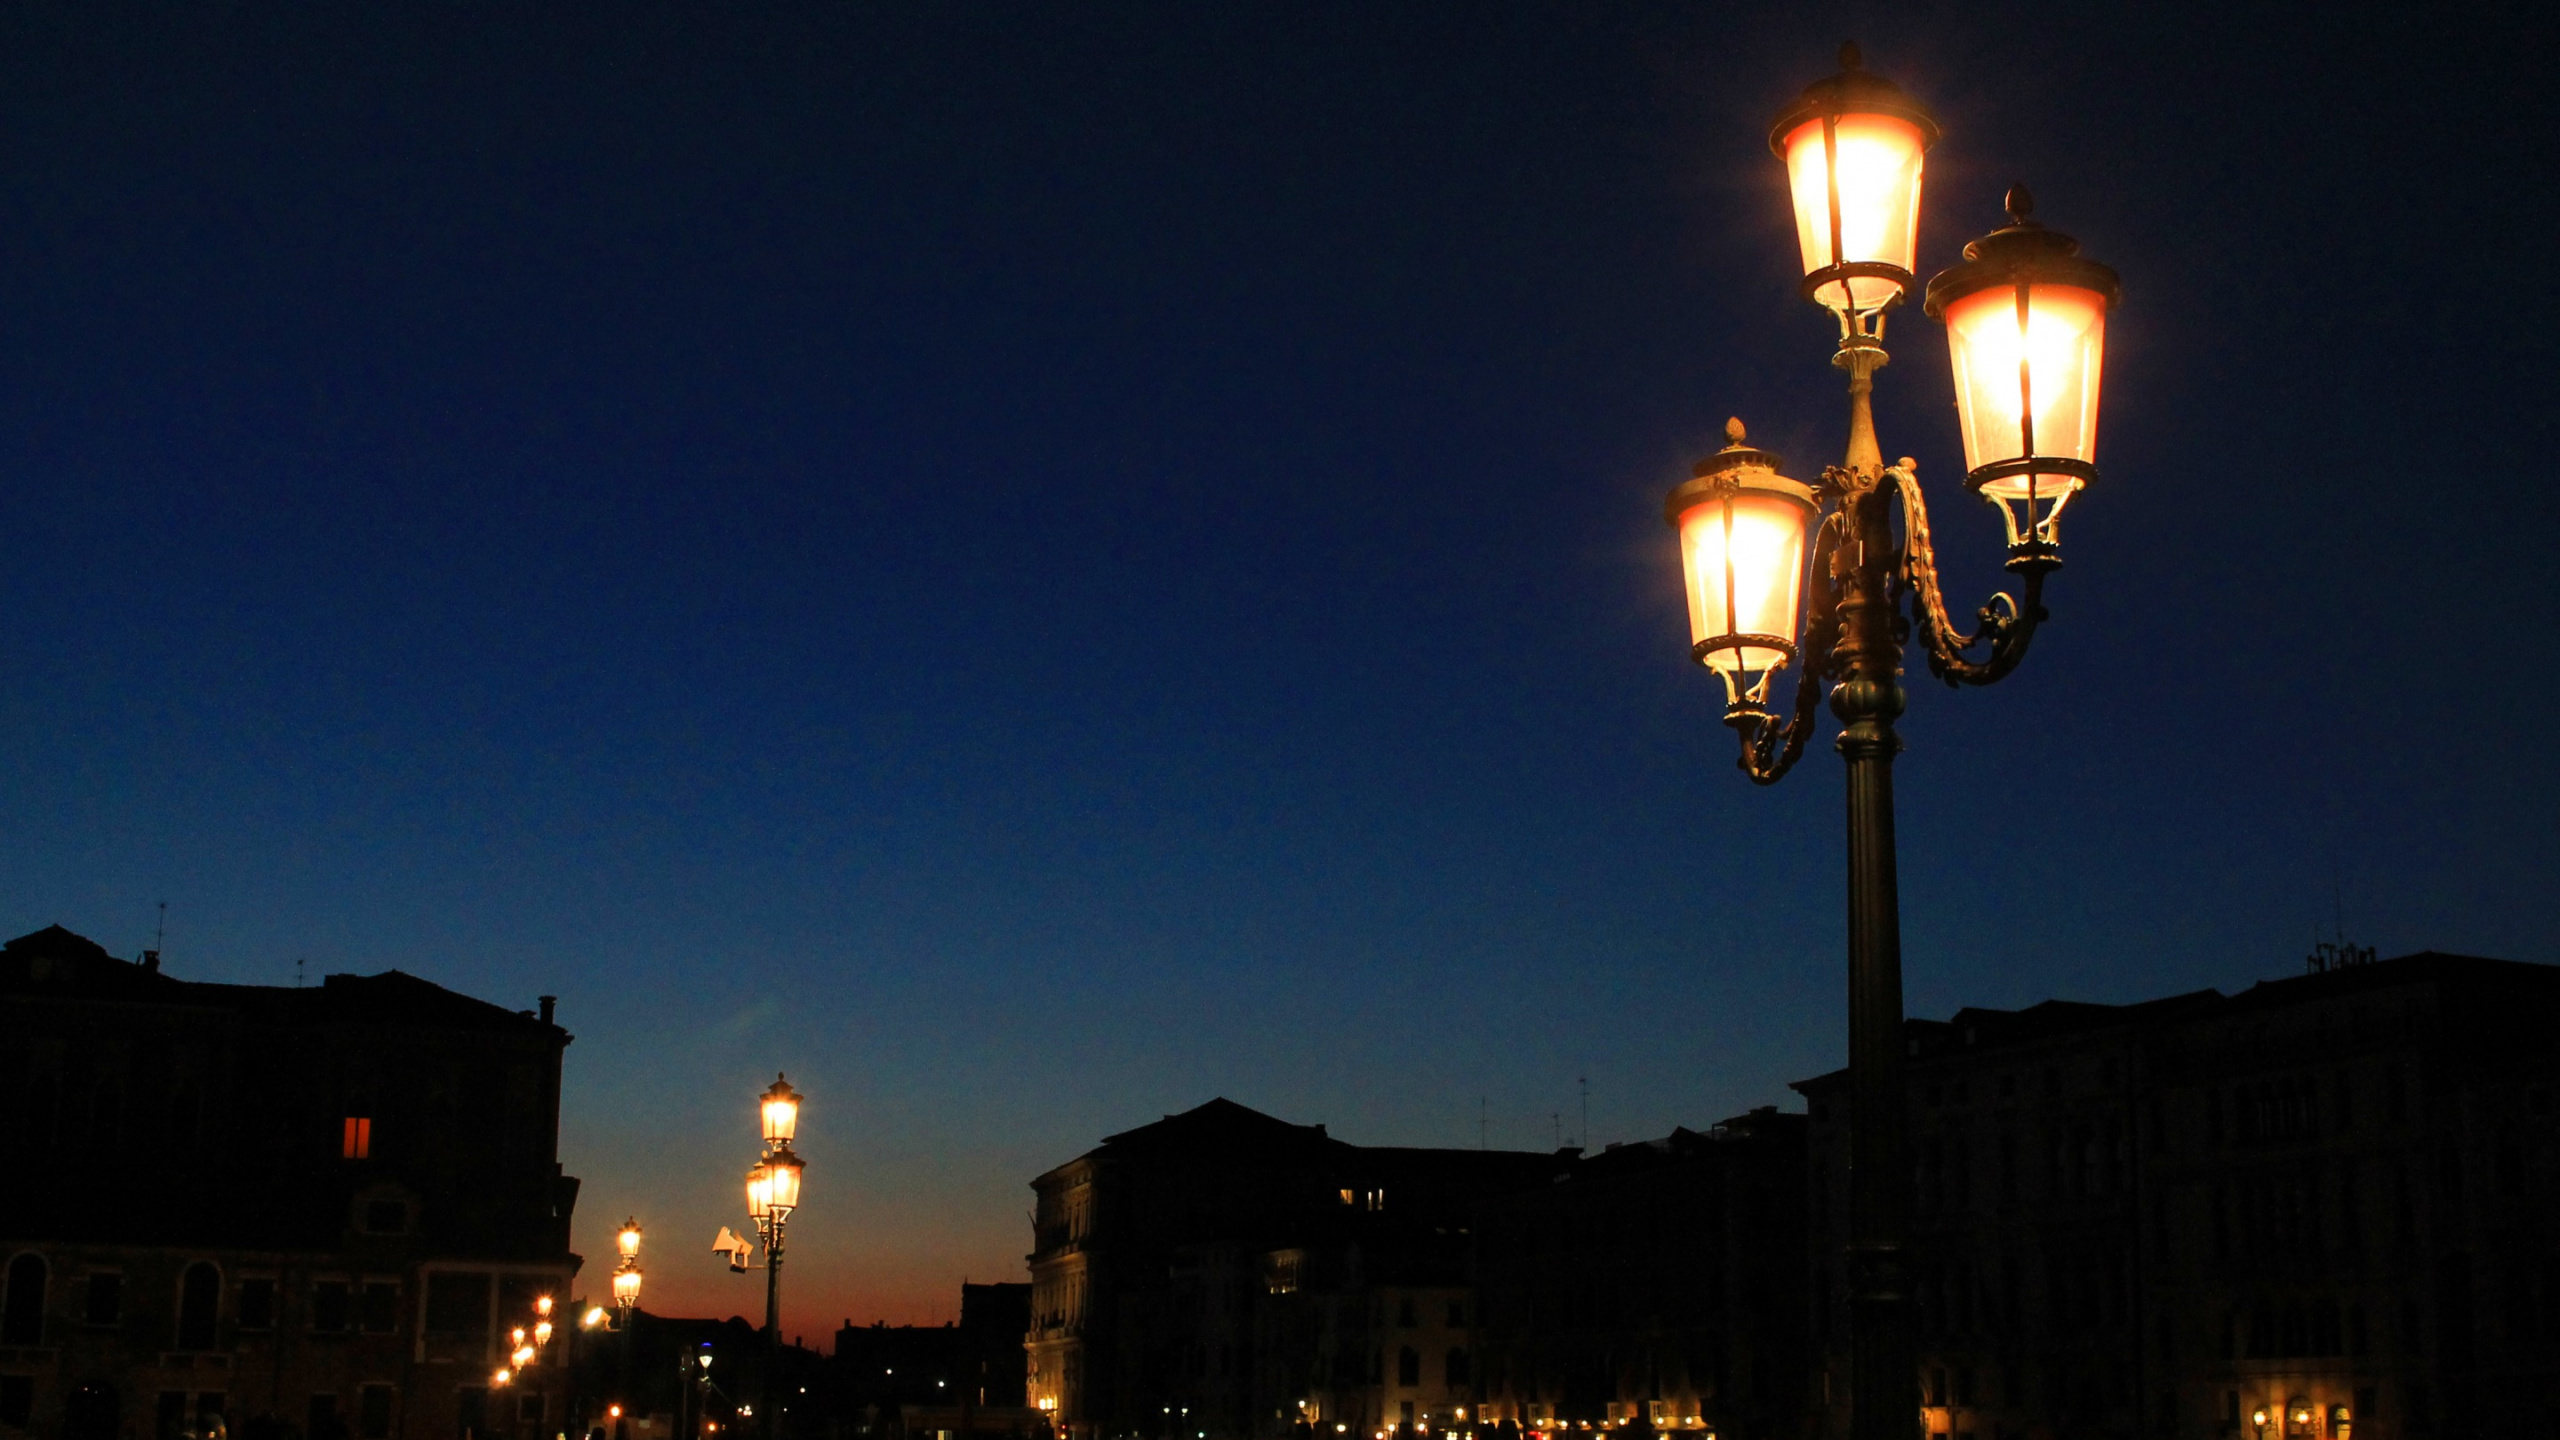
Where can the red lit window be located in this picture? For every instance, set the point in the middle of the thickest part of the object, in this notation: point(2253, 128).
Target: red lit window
point(358, 1144)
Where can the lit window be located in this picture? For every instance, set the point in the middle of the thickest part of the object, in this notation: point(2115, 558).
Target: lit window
point(357, 1142)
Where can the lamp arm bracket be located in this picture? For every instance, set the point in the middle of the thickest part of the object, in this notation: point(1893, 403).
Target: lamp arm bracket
point(1770, 749)
point(2007, 623)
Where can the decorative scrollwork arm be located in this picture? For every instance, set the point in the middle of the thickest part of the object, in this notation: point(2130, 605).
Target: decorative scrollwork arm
point(2008, 623)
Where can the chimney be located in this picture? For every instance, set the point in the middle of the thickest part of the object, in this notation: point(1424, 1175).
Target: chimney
point(546, 1001)
point(151, 961)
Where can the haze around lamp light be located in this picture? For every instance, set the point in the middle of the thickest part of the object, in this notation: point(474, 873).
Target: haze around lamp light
point(759, 1192)
point(627, 1239)
point(626, 1288)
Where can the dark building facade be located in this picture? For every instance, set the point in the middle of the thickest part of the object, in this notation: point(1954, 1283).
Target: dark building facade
point(272, 1211)
point(2326, 1198)
point(1224, 1273)
point(1657, 1285)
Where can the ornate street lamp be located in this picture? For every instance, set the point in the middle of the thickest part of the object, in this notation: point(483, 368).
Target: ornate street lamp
point(773, 1192)
point(1779, 571)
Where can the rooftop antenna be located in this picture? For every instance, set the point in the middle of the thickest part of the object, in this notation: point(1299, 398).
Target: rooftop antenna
point(159, 936)
point(1585, 1083)
point(297, 972)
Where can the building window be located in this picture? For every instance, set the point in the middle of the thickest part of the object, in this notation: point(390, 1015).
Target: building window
point(106, 1298)
point(199, 1301)
point(529, 1408)
point(373, 1412)
point(471, 1410)
point(329, 1306)
point(381, 1311)
point(17, 1400)
point(22, 1310)
point(257, 1305)
point(169, 1415)
point(356, 1139)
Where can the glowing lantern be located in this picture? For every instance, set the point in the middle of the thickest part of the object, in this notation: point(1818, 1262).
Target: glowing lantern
point(627, 1240)
point(781, 1112)
point(1742, 534)
point(1852, 145)
point(626, 1288)
point(782, 1170)
point(2026, 320)
point(759, 1192)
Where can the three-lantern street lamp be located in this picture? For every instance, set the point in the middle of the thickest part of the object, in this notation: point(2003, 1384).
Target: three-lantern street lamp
point(773, 1192)
point(1781, 572)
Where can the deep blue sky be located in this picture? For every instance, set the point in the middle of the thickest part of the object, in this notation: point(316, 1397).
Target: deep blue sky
point(1033, 565)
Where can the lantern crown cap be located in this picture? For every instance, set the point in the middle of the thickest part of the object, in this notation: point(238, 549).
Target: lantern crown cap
point(1854, 90)
point(1740, 465)
point(2024, 250)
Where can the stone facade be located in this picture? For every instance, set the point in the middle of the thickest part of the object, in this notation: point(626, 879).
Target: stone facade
point(272, 1211)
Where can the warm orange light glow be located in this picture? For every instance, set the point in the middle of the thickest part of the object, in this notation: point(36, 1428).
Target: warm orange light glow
point(626, 1288)
point(628, 1238)
point(542, 1332)
point(523, 1356)
point(781, 1112)
point(783, 1180)
point(542, 1306)
point(501, 1376)
point(1743, 559)
point(759, 1193)
point(356, 1139)
point(614, 1410)
point(1876, 159)
point(516, 1335)
point(593, 1318)
point(2028, 380)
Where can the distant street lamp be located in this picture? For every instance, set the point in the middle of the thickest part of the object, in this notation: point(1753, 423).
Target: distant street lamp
point(626, 1297)
point(1779, 571)
point(773, 1192)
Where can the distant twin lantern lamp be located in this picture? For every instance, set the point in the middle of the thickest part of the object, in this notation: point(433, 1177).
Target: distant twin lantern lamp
point(1779, 571)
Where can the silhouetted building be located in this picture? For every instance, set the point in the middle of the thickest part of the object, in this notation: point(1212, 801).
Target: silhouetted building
point(270, 1211)
point(915, 1382)
point(2327, 1196)
point(1223, 1273)
point(1657, 1285)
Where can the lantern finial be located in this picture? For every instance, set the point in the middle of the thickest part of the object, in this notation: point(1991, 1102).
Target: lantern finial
point(1733, 432)
point(1850, 56)
point(2021, 204)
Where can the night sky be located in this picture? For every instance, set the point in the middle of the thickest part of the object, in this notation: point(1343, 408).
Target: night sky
point(1033, 565)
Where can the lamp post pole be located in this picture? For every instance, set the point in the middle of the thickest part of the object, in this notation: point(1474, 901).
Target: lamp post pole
point(2025, 318)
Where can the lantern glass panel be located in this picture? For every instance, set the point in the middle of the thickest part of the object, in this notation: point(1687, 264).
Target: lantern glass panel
point(1879, 169)
point(785, 1191)
point(628, 1239)
point(626, 1286)
point(2058, 349)
point(759, 1192)
point(1766, 561)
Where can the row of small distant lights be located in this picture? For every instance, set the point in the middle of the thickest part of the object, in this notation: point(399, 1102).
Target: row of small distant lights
point(1537, 1433)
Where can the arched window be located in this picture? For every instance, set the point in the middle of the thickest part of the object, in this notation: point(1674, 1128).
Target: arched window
point(1408, 1366)
point(22, 1312)
point(199, 1297)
